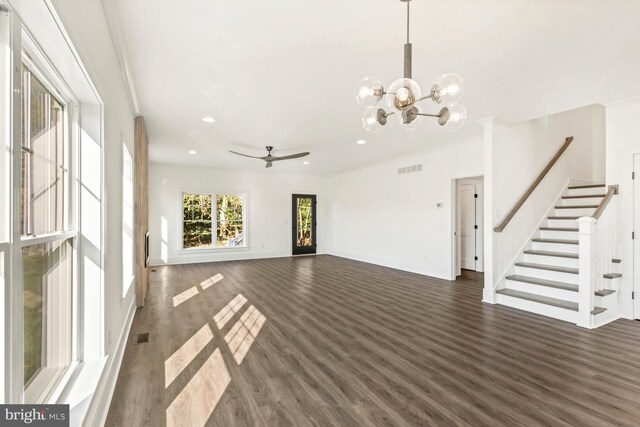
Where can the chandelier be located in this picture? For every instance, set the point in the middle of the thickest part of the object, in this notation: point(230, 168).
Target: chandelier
point(403, 96)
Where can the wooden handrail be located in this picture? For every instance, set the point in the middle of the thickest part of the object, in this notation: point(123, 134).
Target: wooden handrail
point(533, 186)
point(613, 190)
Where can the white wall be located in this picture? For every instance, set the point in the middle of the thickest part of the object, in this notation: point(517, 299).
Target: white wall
point(269, 210)
point(623, 141)
point(515, 155)
point(393, 220)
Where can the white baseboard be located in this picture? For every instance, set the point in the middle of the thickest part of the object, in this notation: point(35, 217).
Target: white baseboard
point(392, 263)
point(99, 407)
point(208, 257)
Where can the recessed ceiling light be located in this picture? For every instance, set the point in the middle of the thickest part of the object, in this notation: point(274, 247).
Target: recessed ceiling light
point(361, 142)
point(193, 152)
point(208, 119)
point(305, 162)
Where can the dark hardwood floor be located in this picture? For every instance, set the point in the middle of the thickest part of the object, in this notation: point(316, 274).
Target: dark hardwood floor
point(327, 341)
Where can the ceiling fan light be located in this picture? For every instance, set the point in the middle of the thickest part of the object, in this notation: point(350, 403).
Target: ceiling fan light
point(403, 94)
point(373, 119)
point(448, 89)
point(369, 91)
point(455, 116)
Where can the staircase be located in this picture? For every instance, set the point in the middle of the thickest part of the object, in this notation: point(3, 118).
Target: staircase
point(545, 279)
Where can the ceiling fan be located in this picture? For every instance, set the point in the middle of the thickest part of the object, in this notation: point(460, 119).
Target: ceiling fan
point(270, 159)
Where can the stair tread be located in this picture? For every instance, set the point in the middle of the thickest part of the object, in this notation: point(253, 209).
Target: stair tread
point(563, 241)
point(544, 282)
point(578, 207)
point(564, 217)
point(616, 261)
point(577, 187)
point(605, 292)
point(612, 275)
point(567, 305)
point(555, 302)
point(587, 196)
point(559, 229)
point(551, 253)
point(547, 267)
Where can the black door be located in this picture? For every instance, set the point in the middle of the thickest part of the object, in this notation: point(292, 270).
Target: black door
point(303, 218)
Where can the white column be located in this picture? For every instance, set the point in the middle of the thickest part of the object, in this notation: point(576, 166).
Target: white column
point(586, 281)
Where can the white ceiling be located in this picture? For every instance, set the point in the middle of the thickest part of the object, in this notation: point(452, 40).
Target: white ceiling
point(283, 72)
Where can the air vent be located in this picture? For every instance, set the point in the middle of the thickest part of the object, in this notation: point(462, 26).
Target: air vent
point(409, 169)
point(143, 338)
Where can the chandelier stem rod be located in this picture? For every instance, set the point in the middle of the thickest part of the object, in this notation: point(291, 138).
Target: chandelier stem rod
point(425, 97)
point(425, 115)
point(408, 20)
point(408, 57)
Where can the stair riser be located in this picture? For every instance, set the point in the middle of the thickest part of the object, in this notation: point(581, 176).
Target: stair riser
point(552, 260)
point(612, 284)
point(585, 201)
point(574, 212)
point(538, 308)
point(555, 247)
point(543, 290)
point(586, 191)
point(547, 274)
point(565, 235)
point(607, 301)
point(562, 223)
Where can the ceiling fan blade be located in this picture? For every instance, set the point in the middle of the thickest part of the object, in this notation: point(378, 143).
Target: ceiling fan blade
point(246, 155)
point(292, 156)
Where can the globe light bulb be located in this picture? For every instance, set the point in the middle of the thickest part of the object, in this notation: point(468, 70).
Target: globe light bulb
point(369, 91)
point(448, 89)
point(373, 118)
point(453, 118)
point(402, 95)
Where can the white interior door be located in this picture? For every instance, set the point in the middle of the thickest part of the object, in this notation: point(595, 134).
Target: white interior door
point(479, 205)
point(467, 204)
point(636, 241)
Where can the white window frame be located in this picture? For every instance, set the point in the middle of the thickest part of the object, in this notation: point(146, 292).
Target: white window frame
point(214, 221)
point(48, 383)
point(46, 380)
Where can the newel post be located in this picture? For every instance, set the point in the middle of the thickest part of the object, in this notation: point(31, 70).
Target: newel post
point(586, 276)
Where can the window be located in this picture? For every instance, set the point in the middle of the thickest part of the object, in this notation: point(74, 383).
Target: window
point(198, 221)
point(42, 158)
point(127, 220)
point(47, 243)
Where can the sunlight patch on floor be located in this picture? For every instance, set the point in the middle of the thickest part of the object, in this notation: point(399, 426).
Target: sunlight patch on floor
point(211, 281)
point(179, 360)
point(224, 315)
point(244, 332)
point(199, 398)
point(180, 298)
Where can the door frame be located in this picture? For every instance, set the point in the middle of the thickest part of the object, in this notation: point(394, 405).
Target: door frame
point(455, 222)
point(295, 250)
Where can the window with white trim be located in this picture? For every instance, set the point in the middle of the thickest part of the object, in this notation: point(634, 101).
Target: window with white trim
point(213, 220)
point(47, 237)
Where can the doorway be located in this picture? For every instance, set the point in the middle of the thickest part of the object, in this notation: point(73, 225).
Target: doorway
point(303, 220)
point(469, 225)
